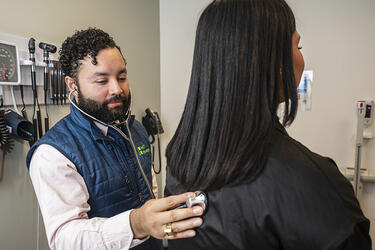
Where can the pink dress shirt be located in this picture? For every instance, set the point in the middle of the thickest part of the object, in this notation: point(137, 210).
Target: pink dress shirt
point(62, 195)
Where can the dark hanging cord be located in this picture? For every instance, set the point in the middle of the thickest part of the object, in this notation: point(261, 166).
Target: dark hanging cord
point(23, 103)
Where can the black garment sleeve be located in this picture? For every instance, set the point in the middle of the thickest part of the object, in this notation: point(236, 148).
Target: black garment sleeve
point(359, 239)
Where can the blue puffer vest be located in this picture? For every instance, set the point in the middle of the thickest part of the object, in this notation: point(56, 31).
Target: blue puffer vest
point(108, 168)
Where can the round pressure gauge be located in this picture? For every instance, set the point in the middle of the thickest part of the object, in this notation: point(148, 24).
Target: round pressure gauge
point(9, 64)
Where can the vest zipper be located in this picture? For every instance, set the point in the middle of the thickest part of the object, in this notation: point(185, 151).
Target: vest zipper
point(125, 166)
point(141, 198)
point(129, 185)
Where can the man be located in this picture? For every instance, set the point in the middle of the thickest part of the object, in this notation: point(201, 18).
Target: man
point(90, 189)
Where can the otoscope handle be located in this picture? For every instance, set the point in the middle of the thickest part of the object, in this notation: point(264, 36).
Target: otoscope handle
point(35, 123)
point(40, 128)
point(45, 80)
point(46, 124)
point(33, 81)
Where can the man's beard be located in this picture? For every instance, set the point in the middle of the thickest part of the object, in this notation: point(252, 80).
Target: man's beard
point(101, 111)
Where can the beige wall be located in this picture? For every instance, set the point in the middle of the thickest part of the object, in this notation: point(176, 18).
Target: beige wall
point(134, 24)
point(178, 20)
point(338, 41)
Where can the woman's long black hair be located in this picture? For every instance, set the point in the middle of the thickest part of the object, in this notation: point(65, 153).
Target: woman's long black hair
point(242, 62)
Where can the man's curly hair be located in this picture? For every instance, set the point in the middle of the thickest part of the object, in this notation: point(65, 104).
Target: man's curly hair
point(83, 43)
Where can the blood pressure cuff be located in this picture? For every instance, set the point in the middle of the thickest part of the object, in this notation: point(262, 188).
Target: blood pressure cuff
point(19, 126)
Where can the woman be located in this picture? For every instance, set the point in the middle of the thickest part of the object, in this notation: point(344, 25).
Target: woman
point(265, 190)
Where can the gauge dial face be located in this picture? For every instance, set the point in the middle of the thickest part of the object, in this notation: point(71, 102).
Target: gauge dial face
point(8, 63)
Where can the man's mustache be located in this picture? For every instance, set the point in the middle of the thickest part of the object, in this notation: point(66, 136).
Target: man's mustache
point(116, 99)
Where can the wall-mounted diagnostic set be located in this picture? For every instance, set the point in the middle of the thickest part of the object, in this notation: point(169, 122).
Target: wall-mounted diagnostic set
point(29, 72)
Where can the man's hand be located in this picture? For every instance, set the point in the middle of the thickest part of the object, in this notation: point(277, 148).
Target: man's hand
point(152, 217)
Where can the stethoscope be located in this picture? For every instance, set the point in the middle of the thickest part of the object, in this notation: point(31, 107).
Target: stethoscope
point(122, 134)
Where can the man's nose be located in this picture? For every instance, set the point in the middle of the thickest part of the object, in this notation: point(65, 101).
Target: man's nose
point(115, 88)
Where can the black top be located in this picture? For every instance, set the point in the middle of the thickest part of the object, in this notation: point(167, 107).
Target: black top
point(300, 201)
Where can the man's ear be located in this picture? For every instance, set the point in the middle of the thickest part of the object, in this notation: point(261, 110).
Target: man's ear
point(71, 83)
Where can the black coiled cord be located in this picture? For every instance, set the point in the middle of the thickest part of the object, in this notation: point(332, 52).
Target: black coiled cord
point(4, 131)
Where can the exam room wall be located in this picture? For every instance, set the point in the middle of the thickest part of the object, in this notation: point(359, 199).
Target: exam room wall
point(134, 24)
point(338, 41)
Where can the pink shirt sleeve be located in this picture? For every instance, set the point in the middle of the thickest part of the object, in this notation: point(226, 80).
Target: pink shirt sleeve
point(62, 195)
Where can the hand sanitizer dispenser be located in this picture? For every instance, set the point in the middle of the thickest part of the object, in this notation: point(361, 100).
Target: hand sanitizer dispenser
point(304, 91)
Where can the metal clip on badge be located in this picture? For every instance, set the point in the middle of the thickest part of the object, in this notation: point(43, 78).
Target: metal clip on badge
point(199, 199)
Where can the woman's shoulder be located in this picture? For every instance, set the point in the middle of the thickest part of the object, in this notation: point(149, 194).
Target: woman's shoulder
point(312, 183)
point(289, 161)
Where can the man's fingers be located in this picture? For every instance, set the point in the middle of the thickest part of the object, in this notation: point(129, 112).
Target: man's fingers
point(181, 235)
point(157, 216)
point(180, 214)
point(171, 202)
point(185, 225)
